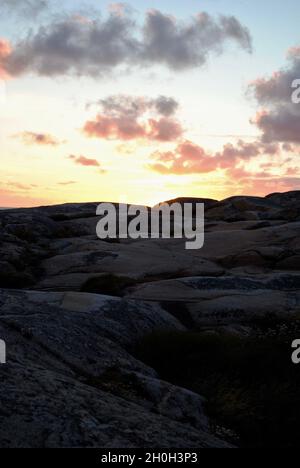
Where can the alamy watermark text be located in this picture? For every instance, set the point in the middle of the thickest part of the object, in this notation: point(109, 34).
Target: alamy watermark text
point(296, 92)
point(163, 221)
point(2, 352)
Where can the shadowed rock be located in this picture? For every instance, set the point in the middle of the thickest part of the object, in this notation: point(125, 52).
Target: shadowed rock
point(72, 377)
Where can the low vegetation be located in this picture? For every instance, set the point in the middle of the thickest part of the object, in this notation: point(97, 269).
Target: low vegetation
point(251, 386)
point(109, 285)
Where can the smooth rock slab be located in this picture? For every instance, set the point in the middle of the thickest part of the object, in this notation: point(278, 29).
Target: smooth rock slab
point(227, 300)
point(54, 387)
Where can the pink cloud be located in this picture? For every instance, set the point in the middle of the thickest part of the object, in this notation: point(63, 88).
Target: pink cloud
point(87, 162)
point(114, 128)
point(190, 158)
point(128, 128)
point(263, 187)
point(127, 118)
point(15, 199)
point(83, 161)
point(5, 51)
point(293, 171)
point(164, 129)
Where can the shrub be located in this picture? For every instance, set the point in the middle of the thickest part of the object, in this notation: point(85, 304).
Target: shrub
point(109, 285)
point(250, 384)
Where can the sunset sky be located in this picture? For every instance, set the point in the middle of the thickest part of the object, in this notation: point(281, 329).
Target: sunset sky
point(147, 101)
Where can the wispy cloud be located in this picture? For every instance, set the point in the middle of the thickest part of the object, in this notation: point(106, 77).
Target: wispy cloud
point(32, 138)
point(19, 186)
point(66, 183)
point(13, 197)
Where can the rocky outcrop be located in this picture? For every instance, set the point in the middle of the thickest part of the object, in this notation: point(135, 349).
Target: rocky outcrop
point(71, 380)
point(73, 308)
point(229, 300)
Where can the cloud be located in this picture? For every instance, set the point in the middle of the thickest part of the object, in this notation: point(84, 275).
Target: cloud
point(19, 194)
point(164, 129)
point(293, 171)
point(68, 182)
point(232, 164)
point(182, 46)
point(25, 8)
point(281, 124)
point(5, 51)
point(10, 198)
point(69, 46)
point(114, 128)
point(166, 106)
point(20, 186)
point(278, 88)
point(264, 186)
point(31, 138)
point(279, 118)
point(190, 158)
point(126, 149)
point(118, 105)
point(243, 152)
point(128, 118)
point(83, 161)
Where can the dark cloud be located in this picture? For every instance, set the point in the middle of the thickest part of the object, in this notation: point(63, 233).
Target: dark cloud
point(73, 46)
point(118, 105)
point(26, 8)
point(31, 138)
point(94, 47)
point(278, 88)
point(166, 106)
point(281, 124)
point(188, 45)
point(123, 105)
point(279, 119)
point(128, 118)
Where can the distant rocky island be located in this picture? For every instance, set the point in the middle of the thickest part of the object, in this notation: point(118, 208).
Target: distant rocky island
point(141, 343)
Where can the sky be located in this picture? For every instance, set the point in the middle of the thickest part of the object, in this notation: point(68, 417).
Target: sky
point(142, 102)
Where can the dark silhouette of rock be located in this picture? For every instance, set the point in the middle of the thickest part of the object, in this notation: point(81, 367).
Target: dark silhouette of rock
point(73, 308)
